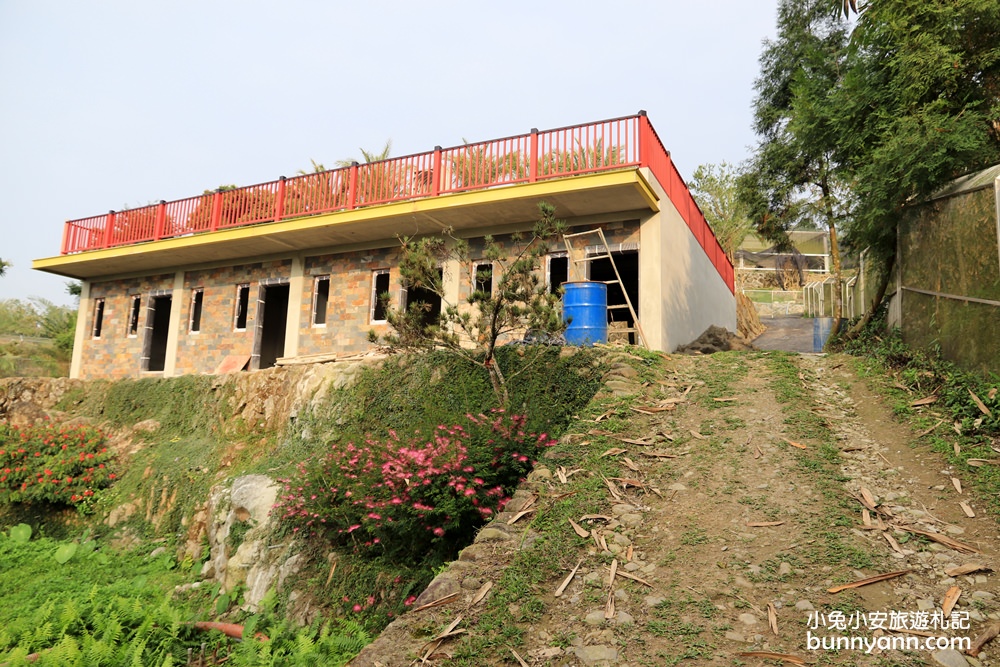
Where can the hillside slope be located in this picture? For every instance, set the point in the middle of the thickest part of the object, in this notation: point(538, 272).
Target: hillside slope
point(728, 494)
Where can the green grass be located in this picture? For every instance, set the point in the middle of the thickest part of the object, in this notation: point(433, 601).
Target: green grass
point(820, 462)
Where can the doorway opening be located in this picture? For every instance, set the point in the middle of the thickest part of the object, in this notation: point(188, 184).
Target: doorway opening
point(618, 315)
point(154, 352)
point(272, 315)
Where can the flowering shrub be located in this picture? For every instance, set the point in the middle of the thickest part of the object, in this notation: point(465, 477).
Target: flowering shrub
point(408, 496)
point(46, 463)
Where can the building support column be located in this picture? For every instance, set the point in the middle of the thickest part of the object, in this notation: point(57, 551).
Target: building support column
point(293, 318)
point(650, 308)
point(174, 329)
point(82, 315)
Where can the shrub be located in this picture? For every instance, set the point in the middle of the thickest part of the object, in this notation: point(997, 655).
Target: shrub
point(412, 496)
point(50, 464)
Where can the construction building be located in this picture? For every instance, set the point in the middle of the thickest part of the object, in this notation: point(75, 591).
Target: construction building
point(240, 278)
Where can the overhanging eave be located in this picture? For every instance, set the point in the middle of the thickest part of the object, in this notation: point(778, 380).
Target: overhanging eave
point(593, 194)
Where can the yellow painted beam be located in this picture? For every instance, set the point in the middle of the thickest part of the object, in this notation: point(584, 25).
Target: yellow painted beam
point(425, 208)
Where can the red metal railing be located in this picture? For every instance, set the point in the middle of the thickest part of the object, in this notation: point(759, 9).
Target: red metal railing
point(619, 143)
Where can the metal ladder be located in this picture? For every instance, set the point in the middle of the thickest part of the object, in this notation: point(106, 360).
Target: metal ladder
point(577, 260)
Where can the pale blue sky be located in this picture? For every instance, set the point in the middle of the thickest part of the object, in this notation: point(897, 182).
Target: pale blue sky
point(107, 104)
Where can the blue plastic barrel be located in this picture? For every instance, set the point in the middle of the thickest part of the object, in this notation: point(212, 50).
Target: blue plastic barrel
point(585, 308)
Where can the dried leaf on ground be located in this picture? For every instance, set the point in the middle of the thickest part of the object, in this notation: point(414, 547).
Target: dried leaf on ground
point(764, 524)
point(957, 483)
point(582, 532)
point(561, 474)
point(979, 404)
point(612, 489)
point(869, 499)
point(614, 451)
point(569, 578)
point(481, 593)
point(768, 655)
point(975, 463)
point(992, 393)
point(950, 599)
point(630, 464)
point(924, 401)
point(645, 442)
point(928, 431)
point(519, 659)
point(967, 568)
point(663, 455)
point(984, 638)
point(723, 400)
point(628, 481)
point(698, 435)
point(870, 580)
point(797, 445)
point(967, 508)
point(866, 516)
point(943, 539)
point(772, 618)
point(893, 543)
point(437, 603)
point(514, 519)
point(628, 575)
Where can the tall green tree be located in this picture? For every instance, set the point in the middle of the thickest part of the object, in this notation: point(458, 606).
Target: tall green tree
point(714, 187)
point(918, 106)
point(794, 178)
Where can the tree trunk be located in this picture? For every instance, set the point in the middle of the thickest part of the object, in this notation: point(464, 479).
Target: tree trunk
point(498, 381)
point(883, 286)
point(838, 297)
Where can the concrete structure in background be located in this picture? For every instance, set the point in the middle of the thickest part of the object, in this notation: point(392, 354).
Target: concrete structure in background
point(240, 278)
point(948, 272)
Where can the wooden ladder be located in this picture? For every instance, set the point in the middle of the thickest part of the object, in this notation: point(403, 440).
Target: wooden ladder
point(577, 261)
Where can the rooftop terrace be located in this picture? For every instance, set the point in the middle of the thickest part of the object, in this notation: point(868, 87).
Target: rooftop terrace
point(618, 144)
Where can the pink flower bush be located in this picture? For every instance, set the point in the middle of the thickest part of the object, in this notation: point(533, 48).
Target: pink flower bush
point(51, 464)
point(407, 496)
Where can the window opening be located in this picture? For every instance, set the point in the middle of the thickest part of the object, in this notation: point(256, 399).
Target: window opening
point(98, 318)
point(242, 306)
point(133, 317)
point(558, 271)
point(197, 298)
point(321, 298)
point(428, 300)
point(484, 278)
point(380, 286)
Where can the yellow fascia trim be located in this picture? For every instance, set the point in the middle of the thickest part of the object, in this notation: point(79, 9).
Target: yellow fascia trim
point(427, 205)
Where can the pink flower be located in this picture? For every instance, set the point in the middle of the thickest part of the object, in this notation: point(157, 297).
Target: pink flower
point(356, 607)
point(409, 601)
point(439, 531)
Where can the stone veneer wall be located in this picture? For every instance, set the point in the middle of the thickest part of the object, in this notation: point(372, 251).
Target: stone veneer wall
point(202, 352)
point(116, 354)
point(348, 314)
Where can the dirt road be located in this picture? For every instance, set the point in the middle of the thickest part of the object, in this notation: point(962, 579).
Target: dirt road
point(744, 489)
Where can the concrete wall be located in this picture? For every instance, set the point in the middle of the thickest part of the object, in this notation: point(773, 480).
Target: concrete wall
point(949, 273)
point(692, 295)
